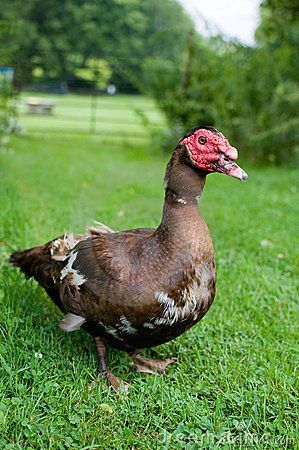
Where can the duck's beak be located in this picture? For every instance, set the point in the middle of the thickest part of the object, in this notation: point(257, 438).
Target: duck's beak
point(226, 164)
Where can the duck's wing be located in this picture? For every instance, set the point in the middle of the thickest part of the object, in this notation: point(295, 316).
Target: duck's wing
point(102, 268)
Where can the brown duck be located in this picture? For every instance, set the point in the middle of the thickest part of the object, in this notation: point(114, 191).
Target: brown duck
point(139, 288)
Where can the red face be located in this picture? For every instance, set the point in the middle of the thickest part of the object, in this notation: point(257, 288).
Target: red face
point(212, 153)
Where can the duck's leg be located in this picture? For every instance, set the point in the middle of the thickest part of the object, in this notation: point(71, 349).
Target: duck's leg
point(113, 381)
point(147, 365)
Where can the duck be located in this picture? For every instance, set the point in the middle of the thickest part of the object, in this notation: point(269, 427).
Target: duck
point(143, 287)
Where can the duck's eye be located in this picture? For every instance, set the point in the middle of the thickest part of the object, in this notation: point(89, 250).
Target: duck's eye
point(202, 139)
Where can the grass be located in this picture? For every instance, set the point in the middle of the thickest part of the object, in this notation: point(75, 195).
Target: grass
point(234, 385)
point(116, 116)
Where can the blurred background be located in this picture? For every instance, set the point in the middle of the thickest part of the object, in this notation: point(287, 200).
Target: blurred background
point(152, 69)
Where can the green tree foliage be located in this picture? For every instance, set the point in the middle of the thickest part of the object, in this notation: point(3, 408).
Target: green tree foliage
point(53, 39)
point(58, 36)
point(277, 52)
point(8, 122)
point(96, 71)
point(249, 93)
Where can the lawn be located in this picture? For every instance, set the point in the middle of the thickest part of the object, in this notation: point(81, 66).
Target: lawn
point(114, 117)
point(234, 385)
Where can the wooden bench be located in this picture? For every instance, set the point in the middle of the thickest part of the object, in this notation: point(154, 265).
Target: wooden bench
point(38, 105)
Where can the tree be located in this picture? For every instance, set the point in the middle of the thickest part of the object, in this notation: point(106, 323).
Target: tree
point(251, 93)
point(54, 38)
point(278, 37)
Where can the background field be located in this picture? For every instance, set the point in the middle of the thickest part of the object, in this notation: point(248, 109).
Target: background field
point(117, 116)
point(234, 385)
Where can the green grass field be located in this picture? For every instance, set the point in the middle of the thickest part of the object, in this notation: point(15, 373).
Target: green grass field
point(234, 385)
point(116, 117)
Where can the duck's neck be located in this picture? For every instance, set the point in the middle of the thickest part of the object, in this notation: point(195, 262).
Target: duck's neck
point(183, 188)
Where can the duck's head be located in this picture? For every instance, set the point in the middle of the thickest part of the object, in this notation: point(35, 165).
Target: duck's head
point(210, 151)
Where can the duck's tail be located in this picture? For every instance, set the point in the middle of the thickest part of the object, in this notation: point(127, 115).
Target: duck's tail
point(37, 262)
point(30, 261)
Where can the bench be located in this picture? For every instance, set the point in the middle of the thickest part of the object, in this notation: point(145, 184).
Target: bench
point(38, 105)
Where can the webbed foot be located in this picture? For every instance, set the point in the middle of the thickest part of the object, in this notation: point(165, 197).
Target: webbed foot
point(147, 365)
point(117, 384)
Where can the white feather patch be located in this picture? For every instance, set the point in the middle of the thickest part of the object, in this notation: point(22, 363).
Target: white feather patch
point(111, 330)
point(77, 278)
point(61, 247)
point(163, 321)
point(148, 325)
point(182, 200)
point(126, 326)
point(71, 322)
point(193, 297)
point(173, 313)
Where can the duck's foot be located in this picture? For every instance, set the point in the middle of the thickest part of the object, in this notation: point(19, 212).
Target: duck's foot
point(147, 365)
point(116, 383)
